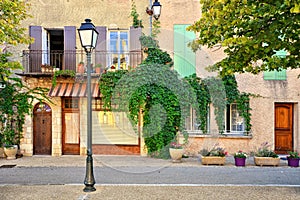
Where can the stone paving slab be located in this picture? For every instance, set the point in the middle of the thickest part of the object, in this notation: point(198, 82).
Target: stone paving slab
point(112, 161)
point(74, 192)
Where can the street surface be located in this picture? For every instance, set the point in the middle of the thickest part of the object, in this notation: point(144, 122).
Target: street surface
point(145, 178)
point(204, 175)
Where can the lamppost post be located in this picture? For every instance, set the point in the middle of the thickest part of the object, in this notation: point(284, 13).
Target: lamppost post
point(150, 18)
point(88, 38)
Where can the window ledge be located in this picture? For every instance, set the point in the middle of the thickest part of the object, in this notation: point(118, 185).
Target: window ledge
point(225, 135)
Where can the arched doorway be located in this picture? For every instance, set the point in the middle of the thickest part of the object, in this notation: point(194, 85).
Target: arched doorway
point(42, 129)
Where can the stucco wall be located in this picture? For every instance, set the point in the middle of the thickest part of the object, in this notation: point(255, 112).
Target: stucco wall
point(116, 14)
point(268, 93)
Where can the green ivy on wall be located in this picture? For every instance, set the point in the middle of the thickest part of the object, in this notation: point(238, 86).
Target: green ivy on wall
point(165, 101)
point(203, 100)
point(136, 22)
point(107, 83)
point(16, 102)
point(219, 92)
point(70, 73)
point(156, 90)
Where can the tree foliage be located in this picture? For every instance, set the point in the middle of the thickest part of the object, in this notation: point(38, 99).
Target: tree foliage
point(12, 13)
point(16, 98)
point(251, 32)
point(16, 102)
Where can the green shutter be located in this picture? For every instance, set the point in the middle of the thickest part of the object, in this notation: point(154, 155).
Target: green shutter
point(184, 57)
point(277, 75)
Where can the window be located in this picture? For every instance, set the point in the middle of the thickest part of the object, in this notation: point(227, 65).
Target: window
point(42, 107)
point(71, 103)
point(118, 48)
point(191, 123)
point(234, 123)
point(277, 75)
point(98, 105)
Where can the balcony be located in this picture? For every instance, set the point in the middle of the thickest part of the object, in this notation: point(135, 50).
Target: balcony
point(33, 60)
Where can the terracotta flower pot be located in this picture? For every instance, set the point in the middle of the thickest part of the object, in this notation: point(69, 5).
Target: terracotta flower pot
point(80, 68)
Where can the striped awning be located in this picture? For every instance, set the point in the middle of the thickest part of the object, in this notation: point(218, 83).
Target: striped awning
point(73, 90)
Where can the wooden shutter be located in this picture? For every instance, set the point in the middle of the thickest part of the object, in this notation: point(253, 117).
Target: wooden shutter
point(277, 75)
point(135, 47)
point(35, 56)
point(69, 48)
point(100, 51)
point(184, 57)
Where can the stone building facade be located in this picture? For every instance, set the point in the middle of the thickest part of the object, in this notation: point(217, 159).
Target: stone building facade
point(62, 17)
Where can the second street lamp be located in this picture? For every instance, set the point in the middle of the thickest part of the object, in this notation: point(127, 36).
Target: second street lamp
point(156, 7)
point(88, 38)
point(155, 11)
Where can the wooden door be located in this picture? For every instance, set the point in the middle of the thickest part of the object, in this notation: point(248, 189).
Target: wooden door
point(71, 129)
point(42, 130)
point(283, 127)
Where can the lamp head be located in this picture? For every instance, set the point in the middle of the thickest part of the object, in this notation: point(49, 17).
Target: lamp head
point(88, 35)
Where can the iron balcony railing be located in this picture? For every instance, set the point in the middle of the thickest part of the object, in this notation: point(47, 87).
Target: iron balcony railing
point(42, 61)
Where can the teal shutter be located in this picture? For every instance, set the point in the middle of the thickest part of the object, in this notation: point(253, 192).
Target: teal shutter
point(184, 57)
point(277, 75)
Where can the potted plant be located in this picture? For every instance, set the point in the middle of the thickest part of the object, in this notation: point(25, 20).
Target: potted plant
point(240, 158)
point(293, 159)
point(2, 154)
point(215, 156)
point(80, 67)
point(10, 141)
point(98, 68)
point(265, 156)
point(47, 68)
point(176, 151)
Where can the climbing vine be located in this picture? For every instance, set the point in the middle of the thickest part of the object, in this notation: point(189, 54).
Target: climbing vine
point(241, 99)
point(156, 55)
point(219, 92)
point(203, 100)
point(164, 99)
point(107, 83)
point(218, 96)
point(66, 72)
point(16, 102)
point(136, 22)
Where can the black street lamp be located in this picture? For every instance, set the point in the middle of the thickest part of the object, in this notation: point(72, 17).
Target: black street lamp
point(88, 38)
point(154, 11)
point(156, 7)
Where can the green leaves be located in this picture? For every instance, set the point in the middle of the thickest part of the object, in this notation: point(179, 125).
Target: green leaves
point(242, 26)
point(12, 14)
point(136, 22)
point(17, 102)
